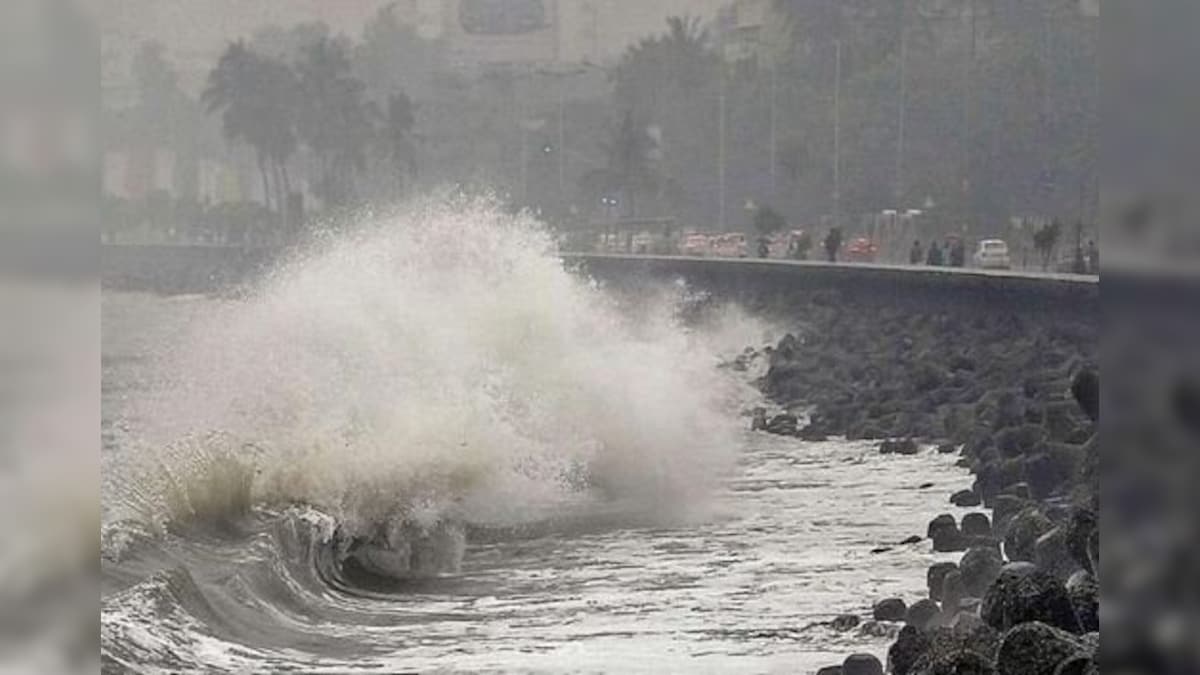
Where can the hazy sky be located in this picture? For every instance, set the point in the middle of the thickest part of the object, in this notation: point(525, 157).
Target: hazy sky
point(201, 27)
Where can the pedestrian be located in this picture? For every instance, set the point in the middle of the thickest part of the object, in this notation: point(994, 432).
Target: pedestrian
point(934, 258)
point(1093, 257)
point(833, 241)
point(916, 255)
point(958, 253)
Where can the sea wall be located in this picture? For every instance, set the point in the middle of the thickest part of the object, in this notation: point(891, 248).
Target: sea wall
point(776, 281)
point(203, 269)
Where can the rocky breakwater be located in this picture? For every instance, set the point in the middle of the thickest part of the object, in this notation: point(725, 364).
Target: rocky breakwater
point(1017, 397)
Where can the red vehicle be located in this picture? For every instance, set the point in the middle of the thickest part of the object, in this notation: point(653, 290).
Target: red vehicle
point(861, 250)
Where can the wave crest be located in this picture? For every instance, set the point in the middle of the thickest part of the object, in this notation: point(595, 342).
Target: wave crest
point(434, 367)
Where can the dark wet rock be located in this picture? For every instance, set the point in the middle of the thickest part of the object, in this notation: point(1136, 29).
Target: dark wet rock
point(983, 541)
point(949, 541)
point(980, 443)
point(979, 567)
point(910, 645)
point(1024, 593)
point(1059, 420)
point(947, 448)
point(878, 629)
point(870, 432)
point(1004, 507)
point(906, 446)
point(1079, 527)
point(948, 649)
point(1020, 490)
point(944, 521)
point(963, 463)
point(925, 486)
point(891, 609)
point(862, 664)
point(914, 539)
point(1034, 648)
point(922, 614)
point(993, 476)
point(844, 622)
point(1084, 593)
point(960, 662)
point(1086, 390)
point(1020, 440)
point(965, 622)
point(1022, 533)
point(830, 670)
point(936, 575)
point(965, 498)
point(961, 362)
point(1050, 554)
point(976, 524)
point(1079, 436)
point(943, 530)
point(783, 424)
point(1050, 470)
point(759, 421)
point(1080, 664)
point(952, 592)
point(1093, 550)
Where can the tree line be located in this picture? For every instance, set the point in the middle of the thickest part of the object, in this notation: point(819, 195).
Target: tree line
point(275, 107)
point(985, 109)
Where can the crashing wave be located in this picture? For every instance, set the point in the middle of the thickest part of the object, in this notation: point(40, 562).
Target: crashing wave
point(432, 370)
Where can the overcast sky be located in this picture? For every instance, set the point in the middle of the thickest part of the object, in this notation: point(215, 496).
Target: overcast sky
point(201, 27)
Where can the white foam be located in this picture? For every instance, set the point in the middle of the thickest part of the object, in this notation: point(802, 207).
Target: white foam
point(437, 360)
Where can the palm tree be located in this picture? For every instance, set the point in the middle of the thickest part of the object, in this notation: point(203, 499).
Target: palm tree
point(334, 119)
point(629, 162)
point(256, 98)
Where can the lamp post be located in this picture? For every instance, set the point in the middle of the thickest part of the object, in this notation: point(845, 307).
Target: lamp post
point(837, 134)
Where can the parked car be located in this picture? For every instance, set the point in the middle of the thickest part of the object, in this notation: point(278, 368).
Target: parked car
point(993, 254)
point(861, 249)
point(695, 244)
point(730, 245)
point(642, 243)
point(782, 243)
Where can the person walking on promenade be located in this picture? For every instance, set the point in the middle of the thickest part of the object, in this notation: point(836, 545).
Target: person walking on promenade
point(958, 253)
point(1093, 257)
point(833, 241)
point(934, 258)
point(916, 255)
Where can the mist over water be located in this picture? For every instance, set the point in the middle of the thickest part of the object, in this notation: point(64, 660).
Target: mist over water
point(422, 441)
point(434, 363)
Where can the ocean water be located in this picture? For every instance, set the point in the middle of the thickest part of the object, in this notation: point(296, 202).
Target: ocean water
point(423, 445)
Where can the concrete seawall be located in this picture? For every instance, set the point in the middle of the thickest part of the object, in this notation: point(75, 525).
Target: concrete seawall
point(167, 268)
point(766, 280)
point(206, 269)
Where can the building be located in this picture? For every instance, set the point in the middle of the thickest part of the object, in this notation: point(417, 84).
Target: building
point(743, 29)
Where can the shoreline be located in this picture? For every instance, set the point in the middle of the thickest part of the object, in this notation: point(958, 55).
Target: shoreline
point(1016, 400)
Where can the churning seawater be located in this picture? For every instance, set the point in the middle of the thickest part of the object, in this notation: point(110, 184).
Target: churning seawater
point(425, 446)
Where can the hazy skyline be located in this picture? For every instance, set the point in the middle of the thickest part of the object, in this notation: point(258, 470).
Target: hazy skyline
point(198, 29)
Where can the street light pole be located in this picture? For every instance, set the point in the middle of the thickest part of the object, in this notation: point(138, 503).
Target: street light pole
point(721, 154)
point(562, 143)
point(774, 128)
point(837, 134)
point(524, 164)
point(901, 114)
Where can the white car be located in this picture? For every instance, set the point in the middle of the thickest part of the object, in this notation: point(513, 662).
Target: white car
point(993, 254)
